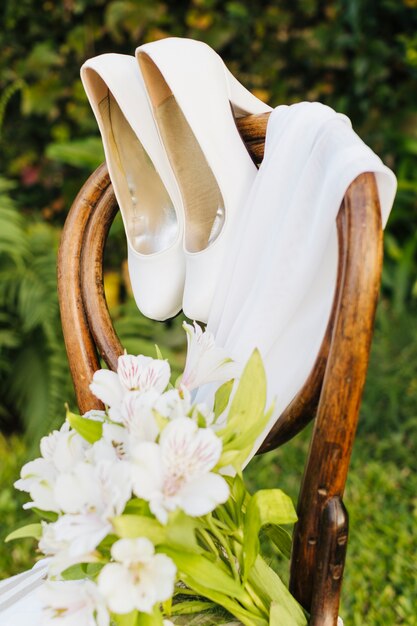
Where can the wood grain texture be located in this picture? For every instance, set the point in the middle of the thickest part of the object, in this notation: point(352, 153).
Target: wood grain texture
point(81, 352)
point(98, 316)
point(336, 421)
point(331, 554)
point(252, 129)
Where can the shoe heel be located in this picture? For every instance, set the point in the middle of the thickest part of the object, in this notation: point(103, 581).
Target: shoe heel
point(242, 100)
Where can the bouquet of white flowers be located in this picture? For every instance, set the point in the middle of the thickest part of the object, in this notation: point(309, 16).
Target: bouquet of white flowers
point(144, 514)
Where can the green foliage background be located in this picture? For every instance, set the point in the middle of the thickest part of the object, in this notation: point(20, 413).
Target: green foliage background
point(359, 56)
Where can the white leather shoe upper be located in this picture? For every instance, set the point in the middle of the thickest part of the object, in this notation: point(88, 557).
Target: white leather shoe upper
point(143, 182)
point(204, 91)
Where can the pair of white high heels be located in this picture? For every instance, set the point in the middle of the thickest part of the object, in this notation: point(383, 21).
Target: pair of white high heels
point(178, 166)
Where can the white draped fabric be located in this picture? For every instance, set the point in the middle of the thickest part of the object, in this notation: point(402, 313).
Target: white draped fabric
point(279, 275)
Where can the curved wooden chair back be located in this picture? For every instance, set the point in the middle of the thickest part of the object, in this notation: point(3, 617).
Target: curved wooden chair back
point(331, 395)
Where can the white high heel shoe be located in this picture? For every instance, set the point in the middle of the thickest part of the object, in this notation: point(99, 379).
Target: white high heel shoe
point(192, 94)
point(143, 182)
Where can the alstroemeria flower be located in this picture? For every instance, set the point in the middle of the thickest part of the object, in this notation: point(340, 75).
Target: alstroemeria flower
point(111, 447)
point(174, 403)
point(139, 579)
point(134, 373)
point(73, 603)
point(176, 473)
point(38, 478)
point(61, 451)
point(206, 362)
point(89, 496)
point(102, 488)
point(72, 539)
point(137, 414)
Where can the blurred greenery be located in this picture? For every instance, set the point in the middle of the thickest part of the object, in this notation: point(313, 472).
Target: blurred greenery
point(359, 56)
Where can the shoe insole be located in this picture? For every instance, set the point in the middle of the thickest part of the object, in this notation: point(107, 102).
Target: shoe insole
point(202, 199)
point(148, 212)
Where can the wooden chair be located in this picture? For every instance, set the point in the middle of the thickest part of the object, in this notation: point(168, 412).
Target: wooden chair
point(331, 395)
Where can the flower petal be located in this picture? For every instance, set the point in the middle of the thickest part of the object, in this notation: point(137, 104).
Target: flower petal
point(107, 388)
point(147, 471)
point(115, 584)
point(205, 361)
point(155, 374)
point(187, 449)
point(203, 494)
point(129, 551)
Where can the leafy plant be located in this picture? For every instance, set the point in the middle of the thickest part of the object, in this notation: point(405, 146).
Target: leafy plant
point(32, 361)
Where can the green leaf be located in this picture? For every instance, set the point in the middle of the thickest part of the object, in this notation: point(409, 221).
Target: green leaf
point(247, 408)
point(126, 619)
point(239, 446)
point(210, 575)
point(280, 537)
point(191, 606)
point(221, 399)
point(269, 506)
point(246, 617)
point(180, 532)
point(75, 572)
point(279, 616)
point(49, 516)
point(30, 530)
point(238, 490)
point(90, 430)
point(153, 619)
point(138, 507)
point(237, 449)
point(158, 352)
point(269, 586)
point(131, 526)
point(81, 153)
point(250, 397)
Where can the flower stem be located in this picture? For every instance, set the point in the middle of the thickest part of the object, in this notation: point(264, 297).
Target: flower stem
point(208, 540)
point(256, 599)
point(225, 545)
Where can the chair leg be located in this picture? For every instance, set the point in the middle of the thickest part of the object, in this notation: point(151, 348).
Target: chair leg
point(331, 553)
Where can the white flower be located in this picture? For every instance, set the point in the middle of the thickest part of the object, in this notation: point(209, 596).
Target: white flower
point(174, 403)
point(38, 478)
point(73, 603)
point(142, 372)
point(112, 446)
point(103, 488)
point(89, 496)
point(176, 473)
point(72, 539)
point(134, 373)
point(139, 579)
point(61, 451)
point(206, 363)
point(137, 414)
point(64, 448)
point(106, 387)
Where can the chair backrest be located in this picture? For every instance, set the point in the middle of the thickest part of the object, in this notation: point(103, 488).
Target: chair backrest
point(331, 394)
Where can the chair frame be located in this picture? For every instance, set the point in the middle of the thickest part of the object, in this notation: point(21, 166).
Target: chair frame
point(331, 394)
